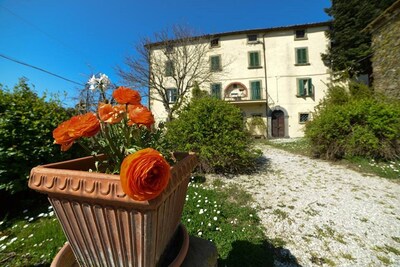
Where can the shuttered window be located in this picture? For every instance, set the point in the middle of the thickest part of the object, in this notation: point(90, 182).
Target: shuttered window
point(216, 90)
point(255, 90)
point(301, 56)
point(305, 87)
point(169, 68)
point(215, 63)
point(254, 59)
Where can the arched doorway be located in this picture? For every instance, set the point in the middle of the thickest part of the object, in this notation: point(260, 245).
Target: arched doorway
point(278, 124)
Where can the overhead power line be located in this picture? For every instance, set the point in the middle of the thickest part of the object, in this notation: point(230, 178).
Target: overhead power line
point(40, 69)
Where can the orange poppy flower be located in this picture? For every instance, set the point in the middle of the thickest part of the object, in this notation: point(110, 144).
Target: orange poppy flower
point(124, 95)
point(66, 133)
point(144, 174)
point(140, 115)
point(110, 114)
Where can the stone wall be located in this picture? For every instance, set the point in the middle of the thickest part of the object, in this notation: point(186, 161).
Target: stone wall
point(386, 58)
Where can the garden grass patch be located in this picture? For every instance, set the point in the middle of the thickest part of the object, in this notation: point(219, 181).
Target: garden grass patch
point(280, 214)
point(222, 214)
point(348, 256)
point(387, 249)
point(385, 260)
point(315, 259)
point(31, 241)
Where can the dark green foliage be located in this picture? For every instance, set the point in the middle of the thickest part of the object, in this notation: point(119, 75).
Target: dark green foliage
point(215, 130)
point(352, 123)
point(26, 125)
point(197, 92)
point(256, 123)
point(350, 49)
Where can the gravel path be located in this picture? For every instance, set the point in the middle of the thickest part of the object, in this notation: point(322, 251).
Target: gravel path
point(325, 214)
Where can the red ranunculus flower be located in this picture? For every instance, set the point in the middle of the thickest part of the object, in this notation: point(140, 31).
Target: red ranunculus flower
point(124, 95)
point(66, 133)
point(140, 115)
point(144, 174)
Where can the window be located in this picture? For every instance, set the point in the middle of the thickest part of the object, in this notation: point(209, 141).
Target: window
point(300, 35)
point(252, 38)
point(214, 42)
point(216, 90)
point(215, 63)
point(172, 95)
point(305, 87)
point(304, 117)
point(302, 56)
point(254, 59)
point(169, 68)
point(255, 87)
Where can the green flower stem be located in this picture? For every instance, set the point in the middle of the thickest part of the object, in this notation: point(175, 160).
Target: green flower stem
point(87, 149)
point(117, 154)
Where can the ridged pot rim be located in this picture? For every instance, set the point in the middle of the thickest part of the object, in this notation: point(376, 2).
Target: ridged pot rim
point(71, 180)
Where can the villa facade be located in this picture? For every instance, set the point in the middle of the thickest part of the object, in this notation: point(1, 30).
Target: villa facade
point(275, 74)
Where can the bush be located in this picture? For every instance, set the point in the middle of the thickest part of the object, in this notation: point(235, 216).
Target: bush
point(352, 123)
point(214, 129)
point(26, 125)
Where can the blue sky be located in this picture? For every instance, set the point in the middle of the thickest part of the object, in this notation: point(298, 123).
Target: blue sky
point(78, 38)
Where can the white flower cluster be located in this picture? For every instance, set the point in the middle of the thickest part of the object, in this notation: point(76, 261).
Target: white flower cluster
point(101, 82)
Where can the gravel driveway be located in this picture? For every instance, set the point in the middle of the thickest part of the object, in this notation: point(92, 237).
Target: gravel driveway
point(325, 214)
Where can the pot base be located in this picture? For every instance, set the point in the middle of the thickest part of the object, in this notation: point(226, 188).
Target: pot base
point(174, 254)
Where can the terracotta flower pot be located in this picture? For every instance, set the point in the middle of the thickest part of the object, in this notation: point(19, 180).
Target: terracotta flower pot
point(105, 227)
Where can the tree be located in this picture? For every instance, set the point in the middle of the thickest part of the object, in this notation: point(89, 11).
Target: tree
point(350, 49)
point(26, 125)
point(215, 130)
point(174, 58)
point(197, 92)
point(352, 121)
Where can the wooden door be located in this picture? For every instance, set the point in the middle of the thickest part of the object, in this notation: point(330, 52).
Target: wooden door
point(278, 124)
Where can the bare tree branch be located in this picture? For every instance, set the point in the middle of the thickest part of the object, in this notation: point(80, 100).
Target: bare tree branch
point(189, 54)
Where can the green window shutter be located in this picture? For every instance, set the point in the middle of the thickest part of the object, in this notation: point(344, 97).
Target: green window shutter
point(218, 94)
point(305, 59)
point(216, 90)
point(301, 89)
point(215, 65)
point(169, 68)
point(254, 59)
point(310, 88)
point(255, 90)
point(174, 94)
point(301, 55)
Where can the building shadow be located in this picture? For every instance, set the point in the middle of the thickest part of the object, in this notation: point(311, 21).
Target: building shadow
point(247, 254)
